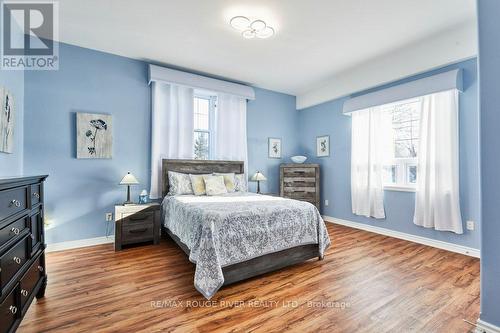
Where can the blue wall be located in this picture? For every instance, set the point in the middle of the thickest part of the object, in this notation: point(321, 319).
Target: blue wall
point(13, 81)
point(271, 114)
point(80, 192)
point(489, 69)
point(327, 118)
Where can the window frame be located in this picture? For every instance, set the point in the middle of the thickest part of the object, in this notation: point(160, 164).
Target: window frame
point(402, 164)
point(211, 98)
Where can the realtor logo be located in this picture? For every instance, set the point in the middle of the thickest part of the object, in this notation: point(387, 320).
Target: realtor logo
point(29, 29)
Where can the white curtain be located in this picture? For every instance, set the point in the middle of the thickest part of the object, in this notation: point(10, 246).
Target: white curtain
point(369, 138)
point(172, 128)
point(437, 199)
point(231, 129)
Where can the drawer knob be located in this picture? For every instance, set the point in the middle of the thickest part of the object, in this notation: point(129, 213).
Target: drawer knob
point(40, 268)
point(17, 260)
point(15, 203)
point(24, 292)
point(36, 195)
point(13, 309)
point(15, 231)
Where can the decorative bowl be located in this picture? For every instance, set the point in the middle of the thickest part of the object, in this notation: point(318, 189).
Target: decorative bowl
point(299, 159)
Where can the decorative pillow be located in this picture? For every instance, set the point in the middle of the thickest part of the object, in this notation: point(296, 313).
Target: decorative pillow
point(228, 180)
point(198, 184)
point(214, 185)
point(180, 183)
point(240, 183)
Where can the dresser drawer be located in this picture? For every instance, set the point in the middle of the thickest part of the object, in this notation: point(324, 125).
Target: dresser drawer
point(30, 279)
point(299, 181)
point(137, 218)
point(139, 232)
point(13, 260)
point(9, 311)
point(311, 189)
point(13, 201)
point(36, 194)
point(36, 225)
point(299, 172)
point(306, 194)
point(12, 230)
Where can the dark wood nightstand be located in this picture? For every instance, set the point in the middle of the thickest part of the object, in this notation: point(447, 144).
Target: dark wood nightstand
point(137, 224)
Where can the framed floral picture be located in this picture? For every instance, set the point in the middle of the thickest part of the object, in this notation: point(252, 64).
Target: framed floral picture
point(94, 136)
point(323, 146)
point(274, 148)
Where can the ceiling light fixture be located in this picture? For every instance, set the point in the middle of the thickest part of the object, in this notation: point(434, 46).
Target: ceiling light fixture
point(251, 29)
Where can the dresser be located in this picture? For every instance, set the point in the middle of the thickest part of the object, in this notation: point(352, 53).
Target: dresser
point(22, 261)
point(300, 182)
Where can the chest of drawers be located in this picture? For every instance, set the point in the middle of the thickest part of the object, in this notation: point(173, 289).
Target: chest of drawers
point(300, 182)
point(22, 258)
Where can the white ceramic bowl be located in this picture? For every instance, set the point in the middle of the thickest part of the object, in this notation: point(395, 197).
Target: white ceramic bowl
point(299, 159)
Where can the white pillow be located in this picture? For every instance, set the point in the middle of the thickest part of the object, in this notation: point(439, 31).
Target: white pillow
point(180, 183)
point(198, 183)
point(229, 180)
point(240, 183)
point(214, 185)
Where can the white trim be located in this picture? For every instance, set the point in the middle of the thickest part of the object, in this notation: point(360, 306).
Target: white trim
point(172, 76)
point(485, 327)
point(449, 80)
point(469, 251)
point(79, 243)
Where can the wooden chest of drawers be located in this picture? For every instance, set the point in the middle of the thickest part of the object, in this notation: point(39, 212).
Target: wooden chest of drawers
point(22, 259)
point(300, 182)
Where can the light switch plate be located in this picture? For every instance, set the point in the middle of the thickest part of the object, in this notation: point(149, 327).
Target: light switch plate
point(470, 225)
point(326, 202)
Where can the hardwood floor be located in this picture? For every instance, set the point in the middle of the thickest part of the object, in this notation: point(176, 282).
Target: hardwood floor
point(367, 283)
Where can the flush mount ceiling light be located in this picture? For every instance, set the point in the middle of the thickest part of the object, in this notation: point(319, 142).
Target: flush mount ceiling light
point(251, 29)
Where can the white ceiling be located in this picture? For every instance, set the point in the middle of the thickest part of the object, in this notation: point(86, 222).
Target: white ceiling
point(315, 41)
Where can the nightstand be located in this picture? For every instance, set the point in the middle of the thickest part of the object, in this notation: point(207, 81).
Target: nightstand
point(137, 224)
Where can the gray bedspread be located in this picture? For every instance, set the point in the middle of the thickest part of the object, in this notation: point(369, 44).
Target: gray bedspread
point(228, 229)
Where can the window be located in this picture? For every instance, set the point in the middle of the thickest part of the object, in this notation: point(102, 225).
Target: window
point(203, 118)
point(401, 171)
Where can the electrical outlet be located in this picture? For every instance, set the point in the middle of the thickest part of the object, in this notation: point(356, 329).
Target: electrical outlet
point(109, 217)
point(470, 225)
point(326, 202)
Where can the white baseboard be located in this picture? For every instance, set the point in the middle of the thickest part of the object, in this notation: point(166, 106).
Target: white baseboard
point(79, 243)
point(484, 327)
point(409, 237)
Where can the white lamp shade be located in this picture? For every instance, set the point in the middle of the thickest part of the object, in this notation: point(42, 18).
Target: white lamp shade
point(258, 177)
point(129, 179)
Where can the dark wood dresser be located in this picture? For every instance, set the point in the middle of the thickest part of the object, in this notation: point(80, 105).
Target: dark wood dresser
point(22, 245)
point(300, 182)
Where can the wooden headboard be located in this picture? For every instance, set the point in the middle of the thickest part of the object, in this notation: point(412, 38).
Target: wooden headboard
point(198, 167)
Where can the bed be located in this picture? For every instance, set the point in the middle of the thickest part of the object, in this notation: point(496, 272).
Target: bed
point(235, 236)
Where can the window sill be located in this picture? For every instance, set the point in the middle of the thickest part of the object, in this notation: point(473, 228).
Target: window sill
point(399, 188)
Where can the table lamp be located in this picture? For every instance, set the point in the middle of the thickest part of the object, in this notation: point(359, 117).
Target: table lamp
point(258, 177)
point(128, 180)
